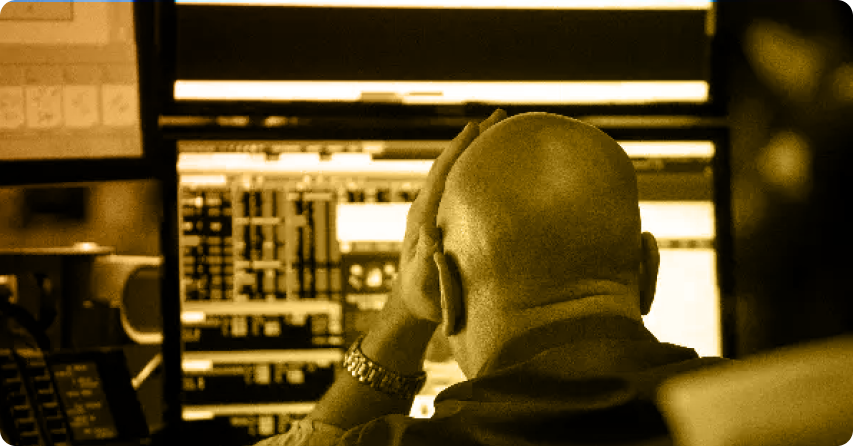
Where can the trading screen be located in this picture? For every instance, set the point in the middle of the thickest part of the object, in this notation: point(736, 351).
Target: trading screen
point(290, 248)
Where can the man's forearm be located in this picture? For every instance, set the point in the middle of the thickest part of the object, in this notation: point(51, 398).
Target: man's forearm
point(396, 342)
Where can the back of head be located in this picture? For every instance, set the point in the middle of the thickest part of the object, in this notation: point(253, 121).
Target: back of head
point(539, 209)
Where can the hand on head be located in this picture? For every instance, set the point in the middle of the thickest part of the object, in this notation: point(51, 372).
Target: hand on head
point(416, 288)
point(520, 220)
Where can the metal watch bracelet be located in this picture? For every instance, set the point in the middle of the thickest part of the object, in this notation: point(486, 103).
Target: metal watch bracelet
point(380, 378)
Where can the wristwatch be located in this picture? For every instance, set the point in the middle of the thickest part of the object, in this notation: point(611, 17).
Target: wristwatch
point(380, 378)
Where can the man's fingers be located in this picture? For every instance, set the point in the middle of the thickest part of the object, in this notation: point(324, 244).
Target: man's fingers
point(448, 156)
point(426, 206)
point(429, 239)
point(498, 116)
point(429, 235)
point(430, 195)
point(441, 167)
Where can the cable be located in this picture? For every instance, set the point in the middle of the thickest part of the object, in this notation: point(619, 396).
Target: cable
point(146, 371)
point(25, 320)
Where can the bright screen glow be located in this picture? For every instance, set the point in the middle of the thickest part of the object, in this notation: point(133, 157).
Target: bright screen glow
point(478, 4)
point(446, 92)
point(668, 149)
point(197, 167)
point(210, 411)
point(686, 306)
point(686, 309)
point(386, 222)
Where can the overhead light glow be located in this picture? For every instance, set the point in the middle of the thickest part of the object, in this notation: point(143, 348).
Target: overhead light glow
point(446, 92)
point(471, 4)
point(86, 246)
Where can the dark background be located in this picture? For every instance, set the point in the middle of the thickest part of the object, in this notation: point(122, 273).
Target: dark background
point(790, 109)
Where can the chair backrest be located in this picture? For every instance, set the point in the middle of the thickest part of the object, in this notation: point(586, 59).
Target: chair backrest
point(801, 395)
point(131, 284)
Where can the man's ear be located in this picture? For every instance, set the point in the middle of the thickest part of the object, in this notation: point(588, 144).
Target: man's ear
point(452, 307)
point(649, 265)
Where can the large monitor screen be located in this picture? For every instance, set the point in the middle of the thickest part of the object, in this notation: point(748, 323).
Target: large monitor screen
point(445, 52)
point(290, 249)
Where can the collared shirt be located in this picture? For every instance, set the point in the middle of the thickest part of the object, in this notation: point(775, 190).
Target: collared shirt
point(575, 382)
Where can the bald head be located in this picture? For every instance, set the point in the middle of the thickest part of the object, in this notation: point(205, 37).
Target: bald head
point(536, 209)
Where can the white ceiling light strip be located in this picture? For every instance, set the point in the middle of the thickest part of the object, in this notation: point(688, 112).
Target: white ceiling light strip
point(446, 92)
point(471, 4)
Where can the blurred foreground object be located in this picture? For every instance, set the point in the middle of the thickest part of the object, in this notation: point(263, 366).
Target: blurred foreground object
point(799, 395)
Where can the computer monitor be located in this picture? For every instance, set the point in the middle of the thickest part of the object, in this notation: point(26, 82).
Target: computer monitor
point(443, 53)
point(304, 236)
point(71, 81)
point(73, 105)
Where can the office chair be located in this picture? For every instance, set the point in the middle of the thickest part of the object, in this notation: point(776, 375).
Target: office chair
point(795, 396)
point(131, 284)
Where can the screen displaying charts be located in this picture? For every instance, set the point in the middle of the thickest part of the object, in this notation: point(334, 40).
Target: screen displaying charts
point(290, 248)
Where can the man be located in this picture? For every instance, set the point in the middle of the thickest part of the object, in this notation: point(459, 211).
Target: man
point(524, 248)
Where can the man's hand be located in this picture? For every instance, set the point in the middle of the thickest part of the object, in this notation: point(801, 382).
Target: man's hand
point(416, 290)
point(400, 335)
